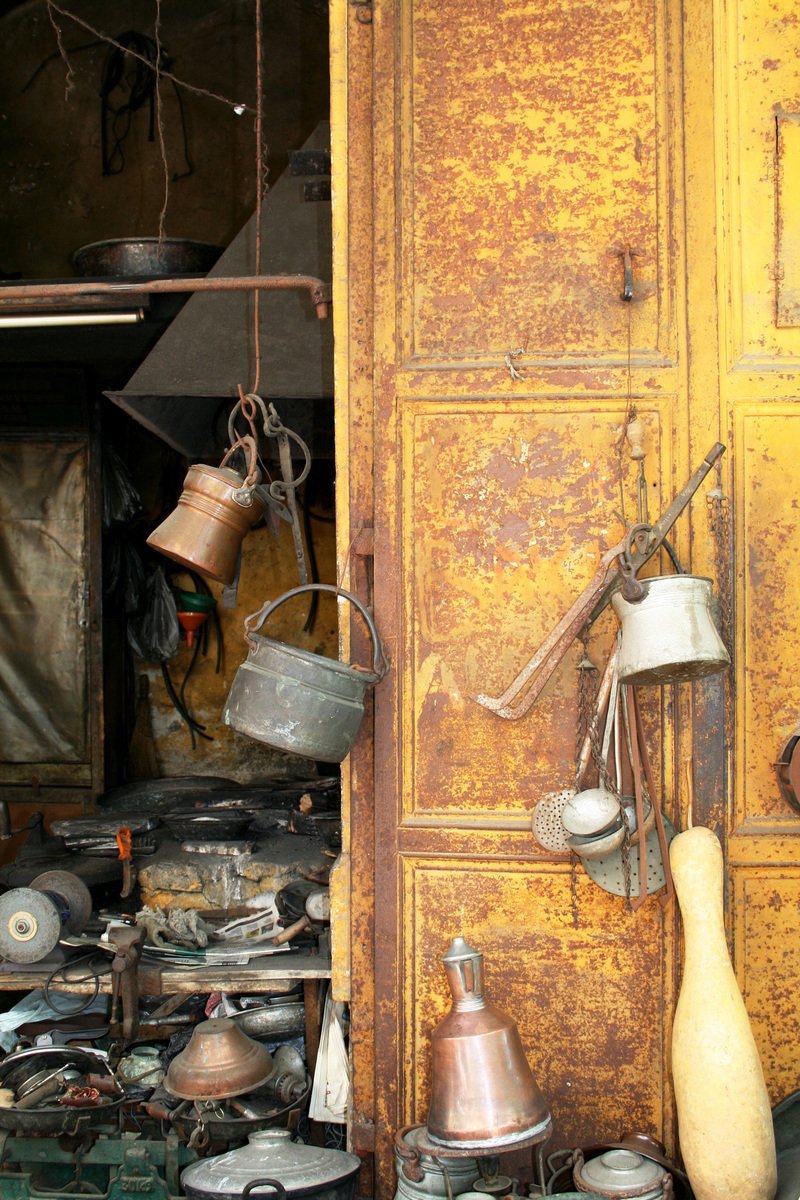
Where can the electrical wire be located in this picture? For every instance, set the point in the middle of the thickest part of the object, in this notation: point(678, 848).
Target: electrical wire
point(61, 970)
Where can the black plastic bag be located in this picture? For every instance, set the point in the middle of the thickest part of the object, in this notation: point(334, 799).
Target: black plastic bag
point(124, 575)
point(155, 634)
point(121, 500)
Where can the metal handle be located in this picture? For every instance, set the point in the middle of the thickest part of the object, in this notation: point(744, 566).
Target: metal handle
point(254, 622)
point(243, 496)
point(273, 1183)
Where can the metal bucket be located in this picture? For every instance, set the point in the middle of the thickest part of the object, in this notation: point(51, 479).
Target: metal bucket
point(423, 1176)
point(669, 635)
point(297, 701)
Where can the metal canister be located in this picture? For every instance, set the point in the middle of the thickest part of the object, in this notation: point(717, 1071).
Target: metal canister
point(669, 633)
point(622, 1175)
point(422, 1175)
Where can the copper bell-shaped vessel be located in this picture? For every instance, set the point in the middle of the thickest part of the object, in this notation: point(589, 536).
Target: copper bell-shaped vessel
point(483, 1093)
point(219, 1061)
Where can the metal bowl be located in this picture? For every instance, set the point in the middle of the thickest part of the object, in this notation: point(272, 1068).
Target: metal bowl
point(601, 844)
point(148, 257)
point(19, 1068)
point(220, 1061)
point(590, 812)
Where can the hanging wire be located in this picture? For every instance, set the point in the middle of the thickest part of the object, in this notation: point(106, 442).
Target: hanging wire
point(237, 106)
point(162, 216)
point(261, 186)
point(630, 414)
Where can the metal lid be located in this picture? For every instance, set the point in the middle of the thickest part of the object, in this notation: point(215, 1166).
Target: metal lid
point(270, 1152)
point(621, 1173)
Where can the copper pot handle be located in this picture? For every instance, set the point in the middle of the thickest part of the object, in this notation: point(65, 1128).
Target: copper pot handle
point(248, 444)
point(254, 622)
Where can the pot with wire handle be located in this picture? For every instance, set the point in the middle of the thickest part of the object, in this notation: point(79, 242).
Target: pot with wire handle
point(297, 701)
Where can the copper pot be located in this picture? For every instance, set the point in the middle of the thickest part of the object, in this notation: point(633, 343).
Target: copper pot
point(220, 1061)
point(216, 508)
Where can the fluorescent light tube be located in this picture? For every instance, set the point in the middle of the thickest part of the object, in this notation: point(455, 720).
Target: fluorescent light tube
point(49, 320)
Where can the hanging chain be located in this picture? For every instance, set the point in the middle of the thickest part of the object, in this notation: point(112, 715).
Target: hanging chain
point(721, 526)
point(573, 888)
point(587, 696)
point(628, 420)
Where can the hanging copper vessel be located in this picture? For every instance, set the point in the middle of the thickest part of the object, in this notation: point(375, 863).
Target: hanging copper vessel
point(483, 1093)
point(215, 510)
point(220, 1061)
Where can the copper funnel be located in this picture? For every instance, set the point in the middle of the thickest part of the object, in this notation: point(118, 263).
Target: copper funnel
point(220, 1060)
point(205, 532)
point(483, 1094)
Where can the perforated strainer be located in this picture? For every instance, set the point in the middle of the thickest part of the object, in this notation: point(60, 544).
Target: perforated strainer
point(547, 825)
point(609, 873)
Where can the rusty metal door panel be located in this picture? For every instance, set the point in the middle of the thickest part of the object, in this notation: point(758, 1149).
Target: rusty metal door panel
point(532, 143)
point(767, 927)
point(757, 46)
point(503, 528)
point(515, 153)
point(745, 355)
point(767, 442)
point(588, 984)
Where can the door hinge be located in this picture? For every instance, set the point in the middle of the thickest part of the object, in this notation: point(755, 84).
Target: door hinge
point(362, 1136)
point(84, 601)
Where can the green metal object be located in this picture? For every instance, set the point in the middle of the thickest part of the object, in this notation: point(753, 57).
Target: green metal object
point(118, 1167)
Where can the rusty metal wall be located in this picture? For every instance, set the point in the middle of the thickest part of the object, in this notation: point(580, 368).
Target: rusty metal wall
point(515, 152)
point(757, 111)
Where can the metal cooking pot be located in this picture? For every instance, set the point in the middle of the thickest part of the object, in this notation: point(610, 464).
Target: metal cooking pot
point(215, 510)
point(18, 1068)
point(669, 634)
point(149, 257)
point(422, 1176)
point(297, 701)
point(272, 1158)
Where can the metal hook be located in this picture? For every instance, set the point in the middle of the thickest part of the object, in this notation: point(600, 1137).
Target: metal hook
point(627, 254)
point(627, 285)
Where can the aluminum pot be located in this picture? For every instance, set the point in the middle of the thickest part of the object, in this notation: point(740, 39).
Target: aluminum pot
point(296, 701)
point(270, 1157)
point(621, 1173)
point(421, 1176)
point(669, 635)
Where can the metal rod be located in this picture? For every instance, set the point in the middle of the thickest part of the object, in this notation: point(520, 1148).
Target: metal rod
point(319, 291)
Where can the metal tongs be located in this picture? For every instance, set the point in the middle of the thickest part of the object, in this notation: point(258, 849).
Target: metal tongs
point(280, 495)
point(619, 563)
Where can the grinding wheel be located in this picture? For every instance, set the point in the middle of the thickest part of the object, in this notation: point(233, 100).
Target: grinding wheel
point(73, 891)
point(30, 925)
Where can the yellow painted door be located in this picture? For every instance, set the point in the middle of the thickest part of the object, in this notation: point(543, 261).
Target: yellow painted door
point(491, 164)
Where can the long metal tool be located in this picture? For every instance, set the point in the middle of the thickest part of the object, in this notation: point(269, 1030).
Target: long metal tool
point(524, 690)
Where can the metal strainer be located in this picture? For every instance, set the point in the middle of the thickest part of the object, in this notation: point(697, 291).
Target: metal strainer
point(547, 825)
point(609, 873)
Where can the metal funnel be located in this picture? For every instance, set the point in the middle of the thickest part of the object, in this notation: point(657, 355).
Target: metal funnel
point(483, 1093)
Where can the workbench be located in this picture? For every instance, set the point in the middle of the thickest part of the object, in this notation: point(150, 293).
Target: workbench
point(280, 973)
